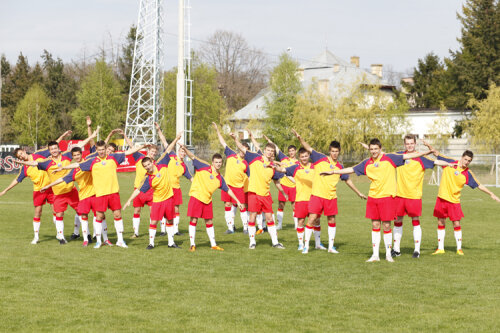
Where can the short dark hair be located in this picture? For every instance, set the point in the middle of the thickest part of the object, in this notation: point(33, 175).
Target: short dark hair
point(302, 150)
point(410, 137)
point(100, 143)
point(468, 153)
point(76, 150)
point(16, 151)
point(246, 145)
point(216, 156)
point(334, 144)
point(115, 147)
point(292, 147)
point(146, 159)
point(270, 145)
point(52, 143)
point(376, 142)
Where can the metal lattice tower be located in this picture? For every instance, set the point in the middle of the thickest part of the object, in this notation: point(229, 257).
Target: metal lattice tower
point(188, 87)
point(144, 102)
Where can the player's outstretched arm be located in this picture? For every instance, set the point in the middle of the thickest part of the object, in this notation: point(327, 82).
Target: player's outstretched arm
point(280, 188)
point(92, 135)
point(65, 134)
point(135, 149)
point(271, 142)
point(172, 144)
point(428, 145)
point(219, 135)
point(254, 142)
point(67, 167)
point(162, 137)
point(28, 163)
point(54, 183)
point(355, 189)
point(13, 183)
point(89, 130)
point(443, 163)
point(345, 171)
point(302, 141)
point(491, 194)
point(231, 194)
point(409, 156)
point(116, 130)
point(191, 155)
point(132, 197)
point(129, 142)
point(238, 143)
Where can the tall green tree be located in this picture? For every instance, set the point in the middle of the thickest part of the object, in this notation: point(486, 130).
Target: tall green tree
point(33, 121)
point(126, 60)
point(100, 98)
point(285, 85)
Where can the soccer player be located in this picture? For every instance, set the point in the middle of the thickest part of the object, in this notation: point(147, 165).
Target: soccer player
point(303, 174)
point(162, 207)
point(236, 176)
point(206, 180)
point(286, 182)
point(103, 168)
point(453, 180)
point(259, 197)
point(324, 195)
point(380, 168)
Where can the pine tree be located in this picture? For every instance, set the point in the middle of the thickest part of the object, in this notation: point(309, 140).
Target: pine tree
point(126, 60)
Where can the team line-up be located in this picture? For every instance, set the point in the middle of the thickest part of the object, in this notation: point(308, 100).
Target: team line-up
point(308, 183)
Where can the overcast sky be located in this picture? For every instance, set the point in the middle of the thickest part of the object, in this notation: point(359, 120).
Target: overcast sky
point(391, 32)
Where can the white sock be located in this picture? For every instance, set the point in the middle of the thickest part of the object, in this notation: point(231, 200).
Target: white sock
point(136, 222)
point(104, 228)
point(441, 234)
point(192, 233)
point(152, 234)
point(176, 223)
point(296, 222)
point(211, 234)
point(398, 234)
point(376, 242)
point(119, 230)
point(279, 215)
point(388, 242)
point(76, 231)
point(309, 231)
point(170, 233)
point(259, 221)
point(251, 232)
point(60, 227)
point(458, 237)
point(271, 229)
point(54, 219)
point(417, 237)
point(85, 228)
point(93, 226)
point(317, 236)
point(233, 211)
point(228, 215)
point(36, 226)
point(244, 219)
point(332, 230)
point(98, 231)
point(163, 225)
point(300, 236)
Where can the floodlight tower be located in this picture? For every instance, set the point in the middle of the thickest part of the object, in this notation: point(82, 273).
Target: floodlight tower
point(144, 102)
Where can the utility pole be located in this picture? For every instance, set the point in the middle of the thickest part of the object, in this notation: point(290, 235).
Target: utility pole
point(179, 110)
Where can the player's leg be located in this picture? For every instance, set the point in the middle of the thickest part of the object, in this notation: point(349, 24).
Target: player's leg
point(252, 230)
point(260, 224)
point(279, 213)
point(332, 231)
point(458, 236)
point(309, 231)
point(177, 218)
point(60, 227)
point(117, 214)
point(84, 217)
point(387, 240)
point(271, 227)
point(417, 235)
point(229, 216)
point(152, 233)
point(211, 235)
point(244, 218)
point(192, 233)
point(169, 216)
point(398, 234)
point(136, 221)
point(300, 233)
point(317, 234)
point(375, 241)
point(36, 224)
point(98, 227)
point(441, 233)
point(295, 220)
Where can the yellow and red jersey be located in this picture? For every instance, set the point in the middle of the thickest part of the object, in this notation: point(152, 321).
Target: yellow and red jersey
point(453, 180)
point(410, 177)
point(38, 177)
point(260, 173)
point(176, 169)
point(325, 187)
point(303, 175)
point(52, 164)
point(236, 169)
point(159, 180)
point(140, 172)
point(206, 180)
point(285, 163)
point(84, 181)
point(382, 173)
point(104, 172)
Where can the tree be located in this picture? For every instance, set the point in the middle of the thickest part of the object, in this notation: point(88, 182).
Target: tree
point(100, 98)
point(285, 85)
point(477, 63)
point(126, 60)
point(33, 121)
point(484, 126)
point(241, 69)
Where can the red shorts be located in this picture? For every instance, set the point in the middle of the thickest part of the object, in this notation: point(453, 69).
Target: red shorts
point(39, 198)
point(61, 201)
point(198, 209)
point(319, 206)
point(381, 209)
point(177, 197)
point(444, 209)
point(85, 205)
point(260, 204)
point(410, 207)
point(144, 199)
point(111, 201)
point(238, 192)
point(301, 210)
point(290, 191)
point(163, 209)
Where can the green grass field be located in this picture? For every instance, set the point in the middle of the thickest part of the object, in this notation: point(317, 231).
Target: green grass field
point(48, 287)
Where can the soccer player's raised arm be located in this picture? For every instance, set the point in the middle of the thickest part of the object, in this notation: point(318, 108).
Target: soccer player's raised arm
point(271, 142)
point(135, 149)
point(252, 138)
point(219, 135)
point(89, 130)
point(491, 194)
point(116, 130)
point(238, 143)
point(428, 145)
point(172, 144)
point(129, 142)
point(162, 137)
point(65, 134)
point(191, 155)
point(302, 141)
point(92, 135)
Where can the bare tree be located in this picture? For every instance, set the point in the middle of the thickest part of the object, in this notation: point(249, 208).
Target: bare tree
point(241, 69)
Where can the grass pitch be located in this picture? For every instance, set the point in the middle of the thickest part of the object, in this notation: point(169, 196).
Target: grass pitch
point(49, 287)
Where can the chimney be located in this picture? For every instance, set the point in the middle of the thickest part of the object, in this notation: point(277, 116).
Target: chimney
point(377, 70)
point(355, 61)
